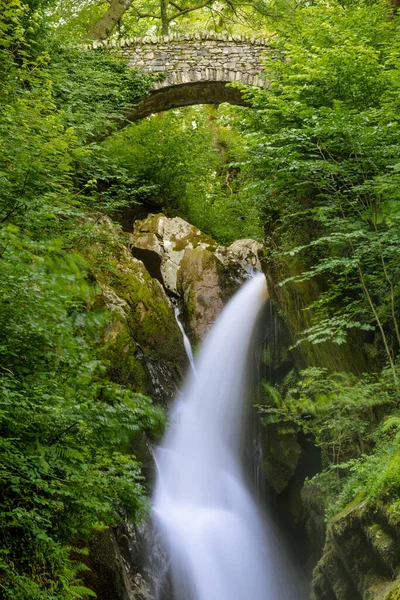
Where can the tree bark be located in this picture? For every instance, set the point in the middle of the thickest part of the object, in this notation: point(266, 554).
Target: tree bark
point(164, 17)
point(104, 27)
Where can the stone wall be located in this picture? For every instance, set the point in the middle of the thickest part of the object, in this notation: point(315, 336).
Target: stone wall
point(194, 69)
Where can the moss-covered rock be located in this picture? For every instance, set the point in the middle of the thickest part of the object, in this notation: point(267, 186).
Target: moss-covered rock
point(150, 322)
point(167, 239)
point(192, 267)
point(199, 285)
point(281, 452)
point(114, 573)
point(142, 341)
point(293, 301)
point(361, 558)
point(313, 502)
point(122, 353)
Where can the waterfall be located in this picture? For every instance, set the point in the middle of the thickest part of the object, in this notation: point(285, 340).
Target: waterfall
point(186, 342)
point(219, 544)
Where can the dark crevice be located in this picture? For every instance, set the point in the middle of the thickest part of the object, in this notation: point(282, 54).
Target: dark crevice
point(151, 260)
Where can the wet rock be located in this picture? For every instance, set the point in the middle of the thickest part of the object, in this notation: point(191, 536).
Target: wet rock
point(281, 455)
point(108, 577)
point(192, 267)
point(114, 569)
point(313, 502)
point(360, 558)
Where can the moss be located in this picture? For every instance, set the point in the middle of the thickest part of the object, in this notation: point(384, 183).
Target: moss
point(195, 238)
point(292, 301)
point(120, 350)
point(363, 546)
point(282, 452)
point(193, 264)
point(149, 352)
point(150, 319)
point(378, 536)
point(357, 504)
point(394, 592)
point(190, 304)
point(149, 224)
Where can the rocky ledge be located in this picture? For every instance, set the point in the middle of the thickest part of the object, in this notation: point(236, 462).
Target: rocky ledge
point(192, 267)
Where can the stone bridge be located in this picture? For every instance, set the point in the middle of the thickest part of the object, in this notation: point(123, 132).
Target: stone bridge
point(196, 67)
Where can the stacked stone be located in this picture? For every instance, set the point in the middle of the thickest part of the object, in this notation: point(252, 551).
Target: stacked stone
point(196, 57)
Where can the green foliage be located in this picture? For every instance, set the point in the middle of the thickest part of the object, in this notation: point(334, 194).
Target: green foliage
point(93, 87)
point(354, 422)
point(184, 161)
point(144, 17)
point(338, 410)
point(374, 477)
point(67, 446)
point(66, 429)
point(324, 166)
point(316, 162)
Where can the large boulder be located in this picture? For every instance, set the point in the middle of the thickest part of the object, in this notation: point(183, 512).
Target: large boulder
point(143, 342)
point(161, 243)
point(192, 267)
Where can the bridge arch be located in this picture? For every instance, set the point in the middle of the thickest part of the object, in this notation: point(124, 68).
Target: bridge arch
point(197, 68)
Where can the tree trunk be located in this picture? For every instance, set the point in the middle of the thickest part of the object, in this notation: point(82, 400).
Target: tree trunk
point(164, 17)
point(104, 27)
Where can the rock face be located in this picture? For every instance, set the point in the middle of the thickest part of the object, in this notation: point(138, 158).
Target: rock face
point(360, 559)
point(192, 267)
point(161, 244)
point(199, 286)
point(143, 342)
point(281, 456)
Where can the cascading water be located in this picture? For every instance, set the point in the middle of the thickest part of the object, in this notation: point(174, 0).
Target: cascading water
point(186, 343)
point(218, 544)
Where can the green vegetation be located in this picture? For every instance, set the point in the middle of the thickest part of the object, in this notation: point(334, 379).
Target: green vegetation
point(313, 170)
point(324, 164)
point(323, 169)
point(67, 430)
point(353, 420)
point(184, 162)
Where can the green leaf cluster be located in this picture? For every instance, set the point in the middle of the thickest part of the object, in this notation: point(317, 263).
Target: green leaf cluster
point(323, 166)
point(68, 432)
point(185, 161)
point(354, 422)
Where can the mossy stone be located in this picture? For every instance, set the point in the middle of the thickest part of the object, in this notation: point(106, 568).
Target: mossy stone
point(363, 547)
point(281, 454)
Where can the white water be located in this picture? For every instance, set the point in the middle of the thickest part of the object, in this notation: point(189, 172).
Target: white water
point(219, 545)
point(186, 343)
